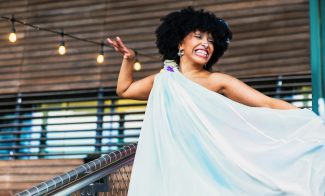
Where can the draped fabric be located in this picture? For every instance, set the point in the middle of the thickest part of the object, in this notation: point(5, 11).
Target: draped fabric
point(197, 142)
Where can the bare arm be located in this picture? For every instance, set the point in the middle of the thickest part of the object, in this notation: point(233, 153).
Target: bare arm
point(242, 93)
point(126, 86)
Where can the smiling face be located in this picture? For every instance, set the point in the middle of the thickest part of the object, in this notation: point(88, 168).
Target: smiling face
point(198, 48)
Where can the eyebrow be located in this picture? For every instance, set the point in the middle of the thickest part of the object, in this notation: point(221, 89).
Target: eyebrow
point(200, 32)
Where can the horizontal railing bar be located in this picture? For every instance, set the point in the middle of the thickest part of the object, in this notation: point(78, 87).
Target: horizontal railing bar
point(51, 93)
point(68, 123)
point(284, 84)
point(276, 77)
point(287, 92)
point(275, 81)
point(67, 99)
point(72, 108)
point(10, 96)
point(67, 138)
point(58, 146)
point(47, 101)
point(70, 92)
point(69, 116)
point(296, 100)
point(59, 154)
point(263, 86)
point(68, 131)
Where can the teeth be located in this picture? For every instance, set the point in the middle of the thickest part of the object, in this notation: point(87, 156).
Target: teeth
point(202, 52)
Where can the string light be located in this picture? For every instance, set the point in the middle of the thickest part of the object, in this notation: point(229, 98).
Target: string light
point(62, 49)
point(136, 65)
point(12, 35)
point(100, 57)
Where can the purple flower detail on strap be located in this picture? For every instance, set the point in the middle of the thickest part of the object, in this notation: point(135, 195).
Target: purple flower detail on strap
point(170, 68)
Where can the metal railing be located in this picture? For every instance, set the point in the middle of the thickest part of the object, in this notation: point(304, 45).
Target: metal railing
point(73, 124)
point(70, 124)
point(107, 175)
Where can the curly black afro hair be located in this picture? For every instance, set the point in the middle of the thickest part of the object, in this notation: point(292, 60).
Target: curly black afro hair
point(176, 25)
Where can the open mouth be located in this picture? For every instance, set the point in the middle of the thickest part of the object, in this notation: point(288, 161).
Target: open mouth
point(201, 53)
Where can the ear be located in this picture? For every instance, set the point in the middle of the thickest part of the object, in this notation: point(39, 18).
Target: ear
point(180, 46)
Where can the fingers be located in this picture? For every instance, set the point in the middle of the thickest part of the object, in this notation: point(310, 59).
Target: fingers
point(120, 42)
point(113, 43)
point(121, 48)
point(118, 45)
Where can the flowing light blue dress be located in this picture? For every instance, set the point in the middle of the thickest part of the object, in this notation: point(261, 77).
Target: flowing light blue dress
point(196, 142)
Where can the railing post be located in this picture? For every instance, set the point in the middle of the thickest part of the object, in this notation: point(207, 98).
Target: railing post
point(317, 41)
point(278, 88)
point(100, 118)
point(121, 121)
point(121, 131)
point(17, 122)
point(43, 134)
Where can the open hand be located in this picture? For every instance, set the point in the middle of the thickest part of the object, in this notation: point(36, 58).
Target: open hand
point(121, 48)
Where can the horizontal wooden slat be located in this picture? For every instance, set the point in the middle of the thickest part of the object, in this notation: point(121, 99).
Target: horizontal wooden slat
point(270, 37)
point(16, 187)
point(41, 162)
point(17, 175)
point(35, 170)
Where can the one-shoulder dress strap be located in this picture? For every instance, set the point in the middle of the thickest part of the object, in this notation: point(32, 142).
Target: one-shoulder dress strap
point(170, 65)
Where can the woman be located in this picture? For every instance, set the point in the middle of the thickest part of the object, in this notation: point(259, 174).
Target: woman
point(208, 133)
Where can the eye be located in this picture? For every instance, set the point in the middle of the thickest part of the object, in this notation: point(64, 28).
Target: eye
point(211, 41)
point(198, 36)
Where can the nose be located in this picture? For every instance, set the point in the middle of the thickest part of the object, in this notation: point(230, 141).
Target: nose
point(205, 43)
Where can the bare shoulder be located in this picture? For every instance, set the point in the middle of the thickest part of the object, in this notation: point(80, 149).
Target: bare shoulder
point(221, 78)
point(152, 77)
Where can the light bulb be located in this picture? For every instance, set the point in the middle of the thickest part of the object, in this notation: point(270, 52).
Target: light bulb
point(12, 37)
point(100, 58)
point(137, 66)
point(62, 50)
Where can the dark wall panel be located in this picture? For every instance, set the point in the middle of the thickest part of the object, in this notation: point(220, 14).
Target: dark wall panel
point(271, 37)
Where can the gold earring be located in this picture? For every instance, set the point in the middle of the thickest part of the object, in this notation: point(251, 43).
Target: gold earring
point(180, 52)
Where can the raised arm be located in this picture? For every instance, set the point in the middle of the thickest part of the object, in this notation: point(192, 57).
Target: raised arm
point(242, 93)
point(126, 86)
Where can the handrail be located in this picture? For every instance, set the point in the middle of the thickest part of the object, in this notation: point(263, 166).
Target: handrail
point(90, 179)
point(83, 174)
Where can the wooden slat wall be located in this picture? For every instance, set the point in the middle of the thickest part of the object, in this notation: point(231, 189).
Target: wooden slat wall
point(18, 175)
point(270, 37)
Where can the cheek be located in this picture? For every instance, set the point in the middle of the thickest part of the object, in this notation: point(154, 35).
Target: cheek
point(211, 49)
